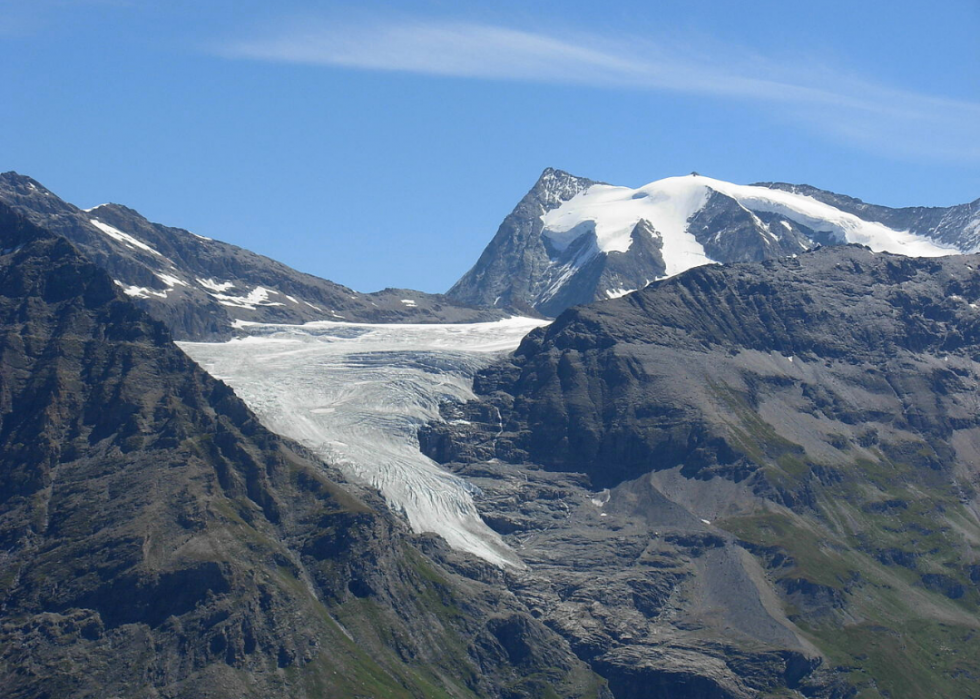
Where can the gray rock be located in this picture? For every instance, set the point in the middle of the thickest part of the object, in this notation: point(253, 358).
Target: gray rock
point(720, 483)
point(516, 269)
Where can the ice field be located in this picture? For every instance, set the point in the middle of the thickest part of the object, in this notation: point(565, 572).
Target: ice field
point(356, 395)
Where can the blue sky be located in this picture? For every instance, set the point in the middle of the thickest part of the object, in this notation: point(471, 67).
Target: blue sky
point(381, 144)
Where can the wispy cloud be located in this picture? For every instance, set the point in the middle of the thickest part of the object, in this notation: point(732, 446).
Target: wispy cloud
point(840, 105)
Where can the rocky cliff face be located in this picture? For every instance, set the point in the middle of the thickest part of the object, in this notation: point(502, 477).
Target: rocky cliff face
point(158, 541)
point(773, 465)
point(517, 269)
point(572, 241)
point(199, 287)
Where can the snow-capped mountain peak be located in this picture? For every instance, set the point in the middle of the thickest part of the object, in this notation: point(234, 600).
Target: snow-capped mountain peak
point(599, 241)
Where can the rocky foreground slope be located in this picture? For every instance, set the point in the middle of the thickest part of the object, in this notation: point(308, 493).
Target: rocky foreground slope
point(200, 287)
point(748, 479)
point(157, 541)
point(572, 241)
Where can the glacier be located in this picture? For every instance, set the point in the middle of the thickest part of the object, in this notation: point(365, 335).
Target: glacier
point(612, 212)
point(356, 394)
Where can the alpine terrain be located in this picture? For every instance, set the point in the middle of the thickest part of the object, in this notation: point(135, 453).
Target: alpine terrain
point(200, 287)
point(746, 467)
point(158, 541)
point(571, 240)
point(748, 479)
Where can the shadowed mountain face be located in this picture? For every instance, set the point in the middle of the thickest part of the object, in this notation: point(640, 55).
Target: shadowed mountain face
point(158, 541)
point(199, 287)
point(761, 458)
point(572, 241)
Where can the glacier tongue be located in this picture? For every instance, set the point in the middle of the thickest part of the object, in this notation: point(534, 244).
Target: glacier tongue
point(357, 393)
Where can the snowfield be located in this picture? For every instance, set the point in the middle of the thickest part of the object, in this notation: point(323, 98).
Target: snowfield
point(668, 205)
point(357, 393)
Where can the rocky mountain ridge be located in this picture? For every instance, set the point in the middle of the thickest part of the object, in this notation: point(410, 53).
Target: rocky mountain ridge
point(956, 226)
point(572, 241)
point(200, 287)
point(768, 460)
point(745, 480)
point(158, 541)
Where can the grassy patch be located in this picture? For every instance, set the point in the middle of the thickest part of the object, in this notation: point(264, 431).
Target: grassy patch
point(918, 659)
point(812, 558)
point(784, 461)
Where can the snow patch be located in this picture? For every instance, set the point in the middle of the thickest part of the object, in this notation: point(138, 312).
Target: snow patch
point(615, 211)
point(617, 293)
point(142, 292)
point(124, 238)
point(170, 281)
point(259, 296)
point(601, 498)
point(214, 285)
point(408, 302)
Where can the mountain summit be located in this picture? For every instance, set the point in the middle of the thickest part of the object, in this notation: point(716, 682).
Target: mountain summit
point(571, 240)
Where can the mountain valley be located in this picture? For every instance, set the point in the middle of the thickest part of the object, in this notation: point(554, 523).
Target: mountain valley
point(159, 541)
point(757, 478)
